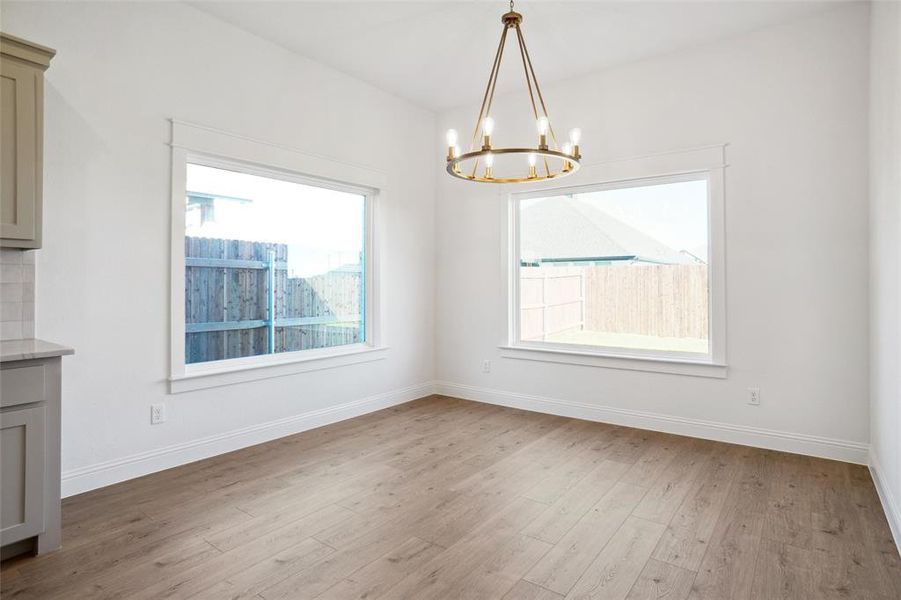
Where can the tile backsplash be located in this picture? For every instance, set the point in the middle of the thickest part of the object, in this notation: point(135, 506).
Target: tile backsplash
point(16, 294)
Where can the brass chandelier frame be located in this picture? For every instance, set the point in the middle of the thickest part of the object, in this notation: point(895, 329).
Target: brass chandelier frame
point(569, 156)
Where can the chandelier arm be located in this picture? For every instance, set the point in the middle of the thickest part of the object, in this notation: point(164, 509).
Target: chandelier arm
point(489, 93)
point(492, 77)
point(538, 90)
point(525, 68)
point(497, 71)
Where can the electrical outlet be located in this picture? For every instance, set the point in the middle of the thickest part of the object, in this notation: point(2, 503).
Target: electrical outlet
point(754, 396)
point(157, 413)
point(486, 366)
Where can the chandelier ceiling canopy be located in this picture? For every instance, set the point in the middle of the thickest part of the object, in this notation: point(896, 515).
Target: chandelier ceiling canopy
point(547, 160)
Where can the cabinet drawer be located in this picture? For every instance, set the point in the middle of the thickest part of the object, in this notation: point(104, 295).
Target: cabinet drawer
point(22, 385)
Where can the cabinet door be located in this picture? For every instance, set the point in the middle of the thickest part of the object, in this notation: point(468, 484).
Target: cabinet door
point(21, 473)
point(20, 160)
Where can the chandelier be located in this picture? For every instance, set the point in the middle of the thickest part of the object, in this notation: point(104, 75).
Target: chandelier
point(521, 165)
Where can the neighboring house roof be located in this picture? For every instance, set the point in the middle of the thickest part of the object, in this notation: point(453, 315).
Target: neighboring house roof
point(565, 228)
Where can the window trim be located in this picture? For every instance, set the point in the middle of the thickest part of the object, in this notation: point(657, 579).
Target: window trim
point(210, 147)
point(695, 164)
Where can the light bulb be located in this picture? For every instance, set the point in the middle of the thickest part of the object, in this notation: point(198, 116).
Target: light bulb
point(456, 150)
point(575, 136)
point(451, 138)
point(489, 160)
point(542, 125)
point(567, 150)
point(487, 126)
point(533, 158)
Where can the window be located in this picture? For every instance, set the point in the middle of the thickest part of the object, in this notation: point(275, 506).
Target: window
point(270, 265)
point(274, 263)
point(621, 269)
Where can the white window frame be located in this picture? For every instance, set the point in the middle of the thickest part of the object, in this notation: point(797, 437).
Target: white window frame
point(213, 148)
point(706, 163)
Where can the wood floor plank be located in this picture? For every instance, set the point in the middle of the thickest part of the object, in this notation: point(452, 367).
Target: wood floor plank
point(633, 444)
point(655, 460)
point(164, 546)
point(834, 518)
point(200, 577)
point(485, 563)
point(115, 584)
point(876, 533)
point(279, 511)
point(662, 581)
point(667, 492)
point(563, 441)
point(603, 443)
point(495, 486)
point(788, 517)
point(248, 582)
point(847, 570)
point(446, 498)
point(494, 438)
point(436, 510)
point(616, 569)
point(560, 517)
point(376, 578)
point(319, 577)
point(783, 572)
point(727, 568)
point(525, 590)
point(471, 422)
point(559, 570)
point(688, 534)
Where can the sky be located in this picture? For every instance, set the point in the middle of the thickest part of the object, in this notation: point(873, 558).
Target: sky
point(673, 213)
point(323, 228)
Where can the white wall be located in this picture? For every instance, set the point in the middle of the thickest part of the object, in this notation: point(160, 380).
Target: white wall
point(791, 102)
point(121, 71)
point(885, 256)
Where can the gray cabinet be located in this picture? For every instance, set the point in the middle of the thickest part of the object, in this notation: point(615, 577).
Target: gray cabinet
point(22, 466)
point(30, 391)
point(22, 66)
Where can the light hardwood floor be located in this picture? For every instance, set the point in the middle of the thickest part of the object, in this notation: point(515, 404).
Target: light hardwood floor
point(443, 498)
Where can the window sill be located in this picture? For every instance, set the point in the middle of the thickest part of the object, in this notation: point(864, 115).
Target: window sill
point(241, 370)
point(674, 366)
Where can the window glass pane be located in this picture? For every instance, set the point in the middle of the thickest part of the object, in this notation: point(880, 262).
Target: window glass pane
point(271, 266)
point(620, 268)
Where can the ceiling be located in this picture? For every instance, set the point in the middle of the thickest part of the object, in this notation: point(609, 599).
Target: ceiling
point(437, 54)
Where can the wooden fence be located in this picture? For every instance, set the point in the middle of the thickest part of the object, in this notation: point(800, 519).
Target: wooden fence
point(239, 301)
point(658, 300)
point(551, 300)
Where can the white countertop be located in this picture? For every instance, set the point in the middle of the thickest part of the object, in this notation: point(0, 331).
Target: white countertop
point(11, 350)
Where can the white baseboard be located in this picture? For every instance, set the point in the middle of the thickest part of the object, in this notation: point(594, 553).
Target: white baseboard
point(797, 443)
point(889, 502)
point(98, 475)
point(84, 479)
